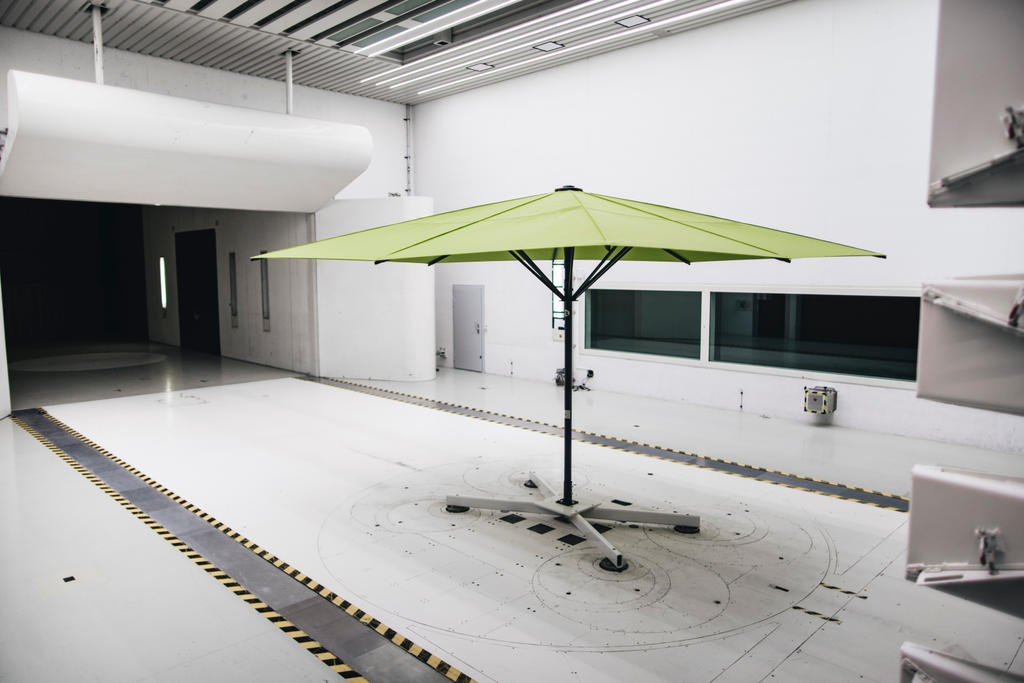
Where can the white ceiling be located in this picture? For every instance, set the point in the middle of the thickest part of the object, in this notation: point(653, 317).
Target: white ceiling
point(336, 41)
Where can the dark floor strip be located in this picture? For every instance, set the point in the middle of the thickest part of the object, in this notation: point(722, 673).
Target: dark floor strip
point(303, 607)
point(827, 488)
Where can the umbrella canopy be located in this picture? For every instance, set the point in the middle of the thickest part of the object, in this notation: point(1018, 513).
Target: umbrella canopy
point(572, 225)
point(543, 225)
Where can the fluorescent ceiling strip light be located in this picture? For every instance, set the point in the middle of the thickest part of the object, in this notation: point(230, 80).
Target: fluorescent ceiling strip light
point(433, 71)
point(488, 37)
point(551, 37)
point(713, 9)
point(630, 22)
point(433, 26)
point(163, 283)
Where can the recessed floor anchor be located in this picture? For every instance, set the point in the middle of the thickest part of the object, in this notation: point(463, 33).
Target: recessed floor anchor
point(610, 566)
point(456, 508)
point(687, 529)
point(529, 484)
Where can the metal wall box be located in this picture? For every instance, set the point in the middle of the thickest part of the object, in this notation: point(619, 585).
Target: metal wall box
point(820, 400)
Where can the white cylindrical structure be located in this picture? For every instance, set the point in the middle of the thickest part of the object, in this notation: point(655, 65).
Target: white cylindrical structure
point(81, 141)
point(374, 321)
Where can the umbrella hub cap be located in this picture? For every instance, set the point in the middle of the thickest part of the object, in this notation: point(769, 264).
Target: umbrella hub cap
point(568, 188)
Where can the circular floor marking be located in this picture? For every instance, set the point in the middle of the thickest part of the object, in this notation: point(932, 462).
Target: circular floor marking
point(513, 581)
point(79, 362)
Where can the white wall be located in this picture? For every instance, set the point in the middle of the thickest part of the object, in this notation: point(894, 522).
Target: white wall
point(70, 59)
point(290, 343)
point(374, 321)
point(5, 380)
point(812, 117)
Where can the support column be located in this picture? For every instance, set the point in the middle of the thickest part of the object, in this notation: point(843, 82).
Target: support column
point(567, 443)
point(288, 91)
point(97, 41)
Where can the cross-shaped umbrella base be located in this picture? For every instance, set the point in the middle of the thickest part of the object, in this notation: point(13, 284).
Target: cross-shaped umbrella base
point(580, 514)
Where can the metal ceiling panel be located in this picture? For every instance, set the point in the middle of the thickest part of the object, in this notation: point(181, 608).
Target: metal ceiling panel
point(38, 16)
point(250, 36)
point(69, 16)
point(294, 16)
point(248, 16)
point(218, 8)
point(180, 5)
point(124, 21)
point(134, 41)
point(15, 14)
point(176, 33)
point(58, 15)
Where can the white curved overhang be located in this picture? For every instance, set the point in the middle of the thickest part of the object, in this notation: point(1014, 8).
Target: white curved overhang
point(75, 140)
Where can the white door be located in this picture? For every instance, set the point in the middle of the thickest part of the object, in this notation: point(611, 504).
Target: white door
point(468, 324)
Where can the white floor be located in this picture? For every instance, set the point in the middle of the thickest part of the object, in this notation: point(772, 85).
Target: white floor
point(806, 447)
point(137, 609)
point(349, 488)
point(66, 373)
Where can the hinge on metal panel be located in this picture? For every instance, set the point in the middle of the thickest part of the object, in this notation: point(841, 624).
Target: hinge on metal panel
point(988, 546)
point(1013, 119)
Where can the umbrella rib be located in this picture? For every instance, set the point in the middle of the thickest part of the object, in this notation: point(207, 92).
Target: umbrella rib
point(608, 252)
point(536, 198)
point(612, 200)
point(596, 275)
point(589, 217)
point(677, 256)
point(528, 263)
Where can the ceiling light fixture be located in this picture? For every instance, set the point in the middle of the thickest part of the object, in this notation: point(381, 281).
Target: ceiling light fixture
point(548, 46)
point(433, 72)
point(704, 11)
point(630, 22)
point(480, 67)
point(459, 16)
point(487, 38)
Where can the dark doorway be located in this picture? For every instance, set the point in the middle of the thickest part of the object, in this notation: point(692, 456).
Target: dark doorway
point(72, 273)
point(198, 320)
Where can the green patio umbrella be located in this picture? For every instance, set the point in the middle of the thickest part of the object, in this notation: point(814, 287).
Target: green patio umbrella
point(572, 225)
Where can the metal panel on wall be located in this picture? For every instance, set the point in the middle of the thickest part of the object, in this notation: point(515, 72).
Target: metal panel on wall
point(971, 347)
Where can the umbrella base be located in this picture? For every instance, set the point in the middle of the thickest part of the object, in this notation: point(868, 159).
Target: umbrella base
point(580, 515)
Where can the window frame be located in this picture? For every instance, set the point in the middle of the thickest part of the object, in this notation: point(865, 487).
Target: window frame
point(706, 289)
point(700, 342)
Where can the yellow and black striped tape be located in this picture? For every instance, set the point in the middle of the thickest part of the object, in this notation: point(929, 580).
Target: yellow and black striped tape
point(819, 615)
point(405, 643)
point(309, 644)
point(412, 398)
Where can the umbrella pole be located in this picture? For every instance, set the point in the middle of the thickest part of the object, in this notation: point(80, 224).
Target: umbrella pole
point(568, 324)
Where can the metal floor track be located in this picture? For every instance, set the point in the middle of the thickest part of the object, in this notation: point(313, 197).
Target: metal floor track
point(833, 489)
point(346, 639)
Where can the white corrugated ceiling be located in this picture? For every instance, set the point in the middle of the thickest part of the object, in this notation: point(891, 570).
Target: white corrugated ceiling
point(406, 51)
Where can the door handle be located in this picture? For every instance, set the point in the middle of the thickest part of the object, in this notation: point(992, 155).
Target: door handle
point(478, 328)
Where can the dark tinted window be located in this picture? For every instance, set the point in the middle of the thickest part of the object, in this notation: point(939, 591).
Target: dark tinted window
point(874, 336)
point(640, 321)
